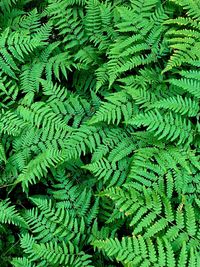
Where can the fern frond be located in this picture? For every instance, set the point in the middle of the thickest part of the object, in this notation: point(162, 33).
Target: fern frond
point(169, 126)
point(38, 167)
point(137, 251)
point(111, 173)
point(114, 110)
point(179, 105)
point(53, 253)
point(22, 262)
point(9, 214)
point(188, 85)
point(16, 45)
point(79, 140)
point(7, 4)
point(11, 123)
point(192, 7)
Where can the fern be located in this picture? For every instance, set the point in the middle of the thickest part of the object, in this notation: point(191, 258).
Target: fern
point(99, 133)
point(51, 252)
point(179, 105)
point(10, 215)
point(165, 126)
point(37, 168)
point(22, 262)
point(137, 251)
point(189, 85)
point(118, 108)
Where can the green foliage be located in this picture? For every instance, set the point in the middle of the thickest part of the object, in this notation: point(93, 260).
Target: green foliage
point(99, 133)
point(10, 215)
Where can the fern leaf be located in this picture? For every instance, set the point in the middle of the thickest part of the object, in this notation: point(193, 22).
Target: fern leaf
point(9, 214)
point(38, 167)
point(169, 126)
point(179, 105)
point(188, 85)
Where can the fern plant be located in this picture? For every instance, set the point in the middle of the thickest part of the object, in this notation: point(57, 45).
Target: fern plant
point(99, 133)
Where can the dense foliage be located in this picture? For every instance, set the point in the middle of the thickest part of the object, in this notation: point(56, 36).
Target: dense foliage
point(100, 133)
